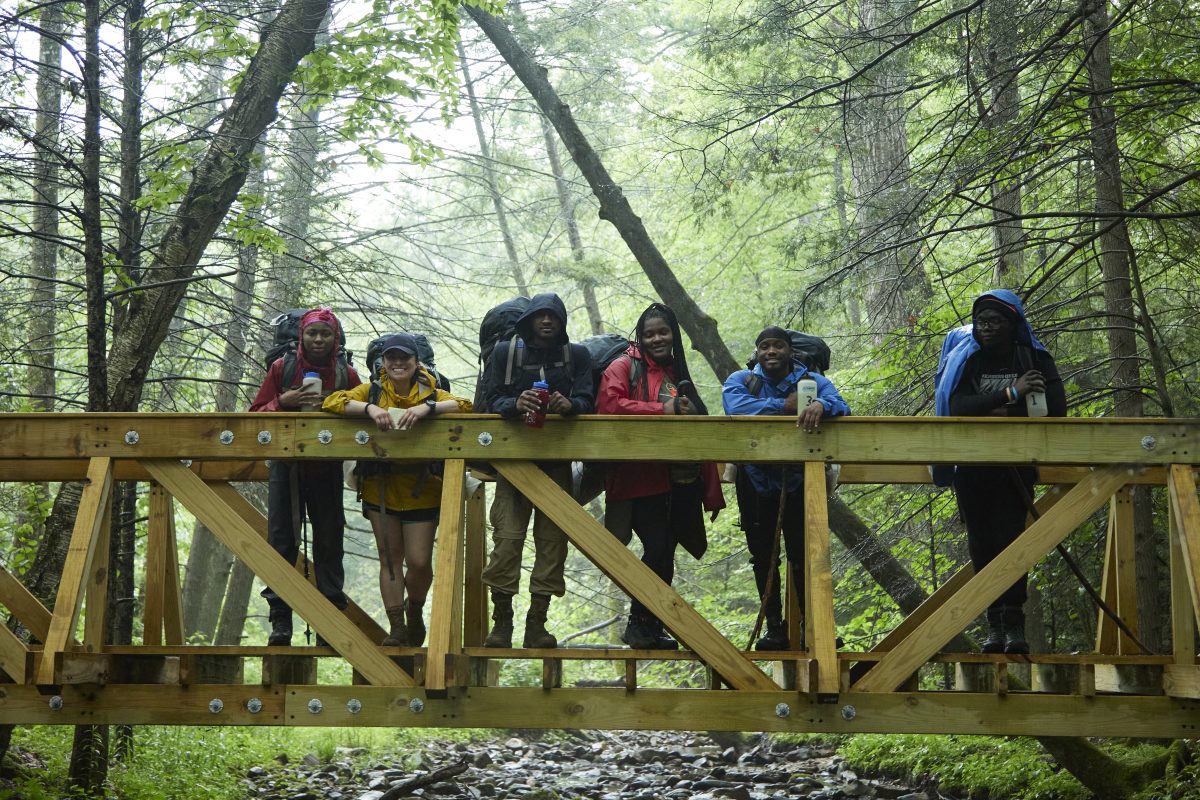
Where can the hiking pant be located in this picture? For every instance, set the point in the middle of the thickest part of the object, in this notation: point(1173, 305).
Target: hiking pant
point(510, 520)
point(991, 503)
point(759, 516)
point(651, 521)
point(318, 492)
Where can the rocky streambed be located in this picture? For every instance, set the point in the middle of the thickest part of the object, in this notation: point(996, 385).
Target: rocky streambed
point(596, 765)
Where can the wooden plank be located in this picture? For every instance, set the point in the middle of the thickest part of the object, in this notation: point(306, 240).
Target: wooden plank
point(97, 495)
point(14, 656)
point(244, 542)
point(162, 517)
point(1183, 620)
point(793, 613)
point(992, 580)
point(475, 600)
point(28, 610)
point(919, 474)
point(95, 609)
point(255, 519)
point(820, 628)
point(1106, 629)
point(1063, 441)
point(444, 636)
point(1181, 680)
point(634, 577)
point(1186, 510)
point(172, 589)
point(1121, 510)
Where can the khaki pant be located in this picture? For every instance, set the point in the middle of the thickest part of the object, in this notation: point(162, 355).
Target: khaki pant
point(510, 519)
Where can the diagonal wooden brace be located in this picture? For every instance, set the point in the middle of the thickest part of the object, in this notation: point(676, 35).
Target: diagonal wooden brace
point(244, 542)
point(77, 569)
point(990, 582)
point(634, 577)
point(1186, 512)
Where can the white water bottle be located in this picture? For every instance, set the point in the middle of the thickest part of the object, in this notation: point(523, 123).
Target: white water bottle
point(1035, 404)
point(311, 383)
point(806, 392)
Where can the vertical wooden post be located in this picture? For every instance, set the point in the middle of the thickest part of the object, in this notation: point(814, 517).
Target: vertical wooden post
point(820, 635)
point(1106, 630)
point(96, 606)
point(1184, 534)
point(1121, 510)
point(475, 605)
point(161, 518)
point(445, 631)
point(93, 506)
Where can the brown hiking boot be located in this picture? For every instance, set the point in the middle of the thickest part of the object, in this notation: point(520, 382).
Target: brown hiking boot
point(414, 624)
point(536, 635)
point(502, 620)
point(398, 636)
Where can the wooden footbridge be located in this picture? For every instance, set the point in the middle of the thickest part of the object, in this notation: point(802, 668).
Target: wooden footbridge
point(74, 677)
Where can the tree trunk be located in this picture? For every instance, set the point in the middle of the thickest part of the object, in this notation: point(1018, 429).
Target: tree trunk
point(1001, 67)
point(881, 174)
point(614, 207)
point(566, 210)
point(234, 610)
point(1116, 250)
point(489, 177)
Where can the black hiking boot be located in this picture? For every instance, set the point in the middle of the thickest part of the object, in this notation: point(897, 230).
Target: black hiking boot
point(536, 635)
point(776, 637)
point(281, 627)
point(994, 643)
point(640, 634)
point(502, 620)
point(414, 625)
point(1014, 631)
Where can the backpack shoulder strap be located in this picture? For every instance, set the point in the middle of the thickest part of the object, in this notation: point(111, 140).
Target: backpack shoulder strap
point(636, 371)
point(753, 384)
point(508, 369)
point(374, 393)
point(289, 370)
point(341, 372)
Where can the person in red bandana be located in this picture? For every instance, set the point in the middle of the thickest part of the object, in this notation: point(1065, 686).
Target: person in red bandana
point(313, 488)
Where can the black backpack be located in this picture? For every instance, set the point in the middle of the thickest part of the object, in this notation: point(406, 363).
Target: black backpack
point(807, 349)
point(285, 340)
point(425, 356)
point(499, 324)
point(605, 348)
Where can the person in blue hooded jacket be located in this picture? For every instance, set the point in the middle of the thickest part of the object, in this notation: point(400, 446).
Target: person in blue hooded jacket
point(989, 368)
point(770, 390)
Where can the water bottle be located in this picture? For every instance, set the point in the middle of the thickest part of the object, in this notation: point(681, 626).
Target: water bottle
point(1035, 404)
point(537, 417)
point(311, 383)
point(806, 392)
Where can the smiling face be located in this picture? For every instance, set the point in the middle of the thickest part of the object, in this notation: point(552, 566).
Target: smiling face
point(399, 367)
point(657, 339)
point(992, 329)
point(546, 328)
point(319, 342)
point(774, 356)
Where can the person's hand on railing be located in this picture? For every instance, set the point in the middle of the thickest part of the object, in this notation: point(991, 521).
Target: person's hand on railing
point(810, 417)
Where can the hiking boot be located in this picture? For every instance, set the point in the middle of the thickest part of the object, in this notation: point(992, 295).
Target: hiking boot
point(281, 627)
point(414, 625)
point(320, 641)
point(640, 634)
point(502, 620)
point(776, 637)
point(536, 635)
point(664, 640)
point(398, 633)
point(1014, 631)
point(994, 643)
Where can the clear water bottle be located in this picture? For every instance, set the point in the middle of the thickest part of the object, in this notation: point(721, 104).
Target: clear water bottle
point(311, 383)
point(1035, 404)
point(537, 417)
point(806, 392)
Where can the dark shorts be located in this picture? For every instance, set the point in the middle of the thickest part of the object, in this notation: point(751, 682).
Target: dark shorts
point(411, 515)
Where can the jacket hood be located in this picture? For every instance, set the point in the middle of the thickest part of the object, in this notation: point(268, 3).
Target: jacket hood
point(960, 345)
point(547, 301)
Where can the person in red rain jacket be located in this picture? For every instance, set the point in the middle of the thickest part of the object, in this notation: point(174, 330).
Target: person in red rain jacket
point(663, 503)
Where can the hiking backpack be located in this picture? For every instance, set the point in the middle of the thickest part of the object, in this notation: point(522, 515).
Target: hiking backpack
point(425, 356)
point(285, 341)
point(605, 348)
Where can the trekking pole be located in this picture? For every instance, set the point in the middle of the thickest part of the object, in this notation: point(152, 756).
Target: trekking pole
point(1104, 607)
point(774, 573)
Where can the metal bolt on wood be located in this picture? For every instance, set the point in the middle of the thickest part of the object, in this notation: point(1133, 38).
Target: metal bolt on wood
point(354, 705)
point(216, 706)
point(485, 439)
point(416, 705)
point(56, 703)
point(264, 437)
point(254, 705)
point(131, 437)
point(324, 436)
point(315, 706)
point(226, 437)
point(849, 712)
point(782, 710)
point(362, 437)
point(1149, 443)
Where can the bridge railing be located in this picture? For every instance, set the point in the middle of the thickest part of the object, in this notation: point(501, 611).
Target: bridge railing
point(192, 459)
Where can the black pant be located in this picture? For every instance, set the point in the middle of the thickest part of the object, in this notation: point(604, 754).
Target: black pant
point(318, 491)
point(991, 502)
point(759, 517)
point(651, 521)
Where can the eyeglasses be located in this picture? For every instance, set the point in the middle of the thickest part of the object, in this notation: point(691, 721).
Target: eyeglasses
point(994, 323)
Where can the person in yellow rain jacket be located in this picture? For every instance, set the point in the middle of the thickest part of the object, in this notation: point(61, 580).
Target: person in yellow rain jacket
point(400, 500)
